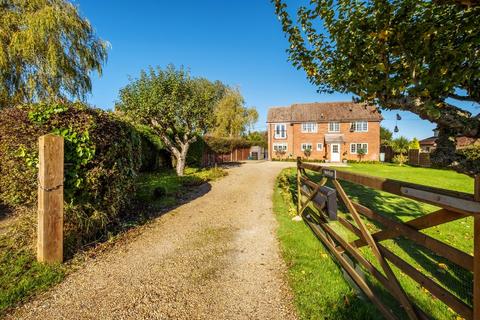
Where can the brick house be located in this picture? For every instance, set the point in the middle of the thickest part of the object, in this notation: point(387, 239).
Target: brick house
point(430, 144)
point(332, 131)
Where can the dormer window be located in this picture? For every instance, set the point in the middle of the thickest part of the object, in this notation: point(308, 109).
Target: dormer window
point(309, 127)
point(334, 127)
point(359, 126)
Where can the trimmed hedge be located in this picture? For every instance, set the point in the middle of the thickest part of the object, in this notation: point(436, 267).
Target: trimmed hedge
point(226, 145)
point(103, 155)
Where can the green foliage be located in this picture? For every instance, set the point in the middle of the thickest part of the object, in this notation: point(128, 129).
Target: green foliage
point(47, 52)
point(223, 145)
point(469, 159)
point(414, 144)
point(171, 185)
point(21, 275)
point(103, 156)
point(307, 152)
point(41, 112)
point(176, 106)
point(231, 116)
point(410, 55)
point(400, 145)
point(195, 153)
point(361, 152)
point(400, 159)
point(78, 152)
point(258, 138)
point(385, 136)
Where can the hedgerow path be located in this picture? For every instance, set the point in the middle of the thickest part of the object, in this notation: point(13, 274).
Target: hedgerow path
point(215, 257)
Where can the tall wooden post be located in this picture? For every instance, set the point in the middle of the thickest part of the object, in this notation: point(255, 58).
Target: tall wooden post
point(299, 184)
point(50, 199)
point(476, 254)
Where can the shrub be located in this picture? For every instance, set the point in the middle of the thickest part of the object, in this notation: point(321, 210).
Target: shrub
point(361, 153)
point(226, 145)
point(400, 159)
point(103, 155)
point(469, 159)
point(307, 152)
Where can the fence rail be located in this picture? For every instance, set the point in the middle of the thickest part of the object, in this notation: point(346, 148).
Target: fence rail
point(452, 206)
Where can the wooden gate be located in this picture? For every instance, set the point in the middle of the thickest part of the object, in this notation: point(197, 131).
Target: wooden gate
point(452, 206)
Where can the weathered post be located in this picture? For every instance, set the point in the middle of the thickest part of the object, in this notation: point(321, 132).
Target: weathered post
point(299, 185)
point(50, 199)
point(476, 254)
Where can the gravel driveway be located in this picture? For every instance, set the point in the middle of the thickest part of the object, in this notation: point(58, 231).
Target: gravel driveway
point(215, 257)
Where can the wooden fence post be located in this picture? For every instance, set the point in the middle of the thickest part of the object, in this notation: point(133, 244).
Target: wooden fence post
point(299, 191)
point(476, 254)
point(50, 199)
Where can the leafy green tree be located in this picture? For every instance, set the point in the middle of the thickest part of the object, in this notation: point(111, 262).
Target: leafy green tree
point(47, 52)
point(361, 153)
point(259, 138)
point(400, 145)
point(414, 144)
point(307, 152)
point(252, 118)
point(410, 55)
point(178, 107)
point(385, 136)
point(232, 118)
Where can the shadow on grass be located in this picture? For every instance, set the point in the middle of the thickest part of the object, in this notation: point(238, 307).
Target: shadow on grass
point(149, 204)
point(5, 211)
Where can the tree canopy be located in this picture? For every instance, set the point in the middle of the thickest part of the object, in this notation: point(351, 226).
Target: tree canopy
point(47, 51)
point(400, 145)
point(414, 144)
point(413, 55)
point(385, 136)
point(232, 118)
point(178, 107)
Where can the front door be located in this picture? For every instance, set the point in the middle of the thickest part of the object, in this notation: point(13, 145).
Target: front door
point(335, 152)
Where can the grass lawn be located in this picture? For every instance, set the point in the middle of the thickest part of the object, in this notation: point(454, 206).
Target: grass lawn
point(21, 276)
point(316, 294)
point(162, 189)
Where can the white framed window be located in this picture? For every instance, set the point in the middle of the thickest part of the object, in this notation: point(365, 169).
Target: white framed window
point(354, 147)
point(319, 146)
point(280, 146)
point(309, 127)
point(280, 131)
point(334, 127)
point(305, 146)
point(360, 126)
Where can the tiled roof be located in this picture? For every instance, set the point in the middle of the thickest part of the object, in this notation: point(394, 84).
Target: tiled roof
point(323, 112)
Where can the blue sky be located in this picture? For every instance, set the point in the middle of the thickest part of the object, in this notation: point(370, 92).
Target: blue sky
point(237, 42)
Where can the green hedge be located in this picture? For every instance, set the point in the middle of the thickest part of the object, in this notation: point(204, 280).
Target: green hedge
point(226, 145)
point(103, 155)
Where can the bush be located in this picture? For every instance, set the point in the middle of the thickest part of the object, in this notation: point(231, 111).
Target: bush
point(400, 159)
point(226, 145)
point(103, 155)
point(468, 160)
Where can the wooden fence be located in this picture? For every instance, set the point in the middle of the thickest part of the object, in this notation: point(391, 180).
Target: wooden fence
point(239, 154)
point(452, 206)
point(417, 158)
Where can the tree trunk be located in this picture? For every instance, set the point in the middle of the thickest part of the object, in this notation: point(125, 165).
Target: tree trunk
point(182, 159)
point(180, 167)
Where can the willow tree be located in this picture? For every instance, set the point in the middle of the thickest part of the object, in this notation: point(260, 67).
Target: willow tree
point(412, 55)
point(47, 51)
point(176, 106)
point(232, 118)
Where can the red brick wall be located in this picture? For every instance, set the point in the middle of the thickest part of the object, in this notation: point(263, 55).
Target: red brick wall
point(295, 138)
